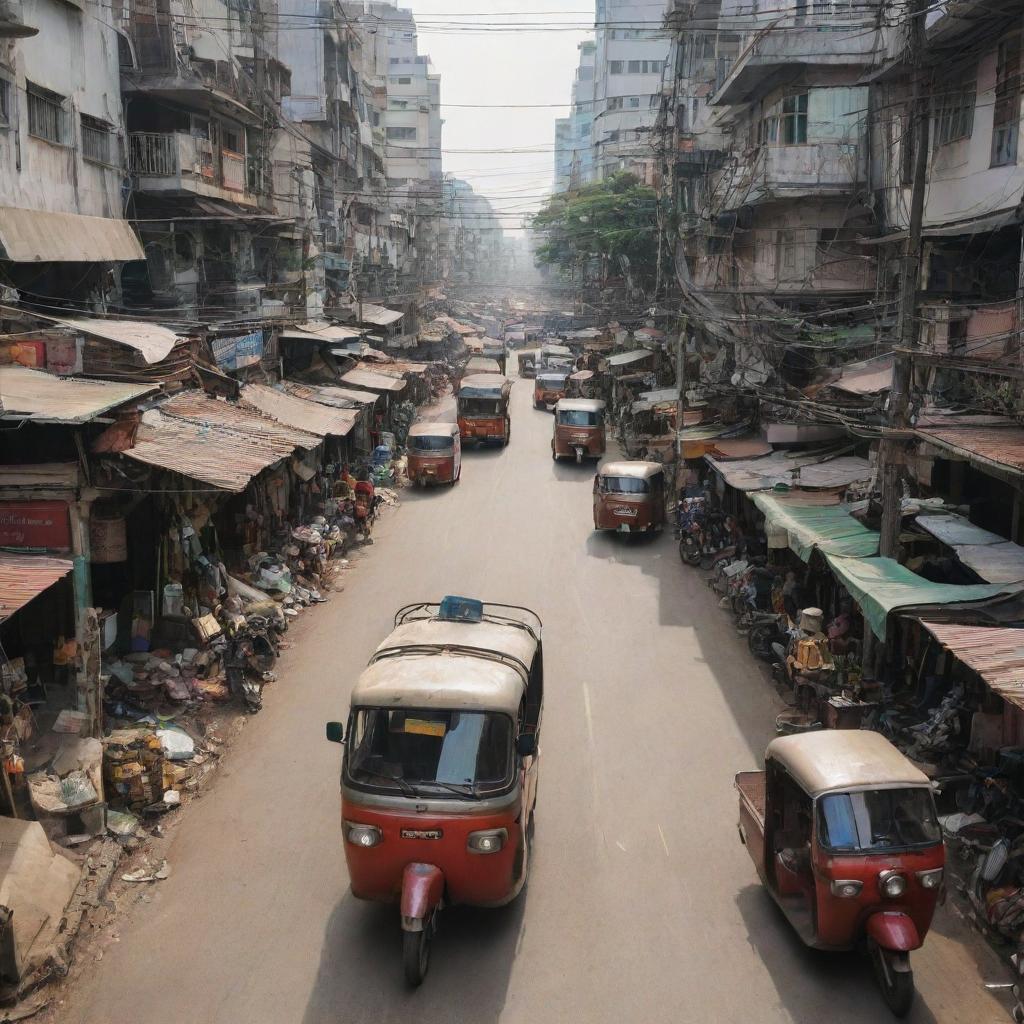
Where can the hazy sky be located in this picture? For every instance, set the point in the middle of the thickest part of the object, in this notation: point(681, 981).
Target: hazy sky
point(481, 64)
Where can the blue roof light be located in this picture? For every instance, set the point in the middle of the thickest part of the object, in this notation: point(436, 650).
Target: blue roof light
point(461, 609)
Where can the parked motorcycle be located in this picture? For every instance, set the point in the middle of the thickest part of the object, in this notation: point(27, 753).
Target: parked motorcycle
point(250, 651)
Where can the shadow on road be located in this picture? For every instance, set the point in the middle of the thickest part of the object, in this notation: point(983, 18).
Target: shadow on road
point(360, 974)
point(813, 985)
point(570, 471)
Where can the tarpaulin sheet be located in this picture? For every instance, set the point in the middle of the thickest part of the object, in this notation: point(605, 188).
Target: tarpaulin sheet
point(993, 558)
point(805, 527)
point(881, 585)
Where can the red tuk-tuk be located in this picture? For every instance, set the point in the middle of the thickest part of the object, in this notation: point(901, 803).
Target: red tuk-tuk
point(434, 453)
point(579, 429)
point(629, 497)
point(843, 832)
point(483, 408)
point(439, 773)
point(549, 388)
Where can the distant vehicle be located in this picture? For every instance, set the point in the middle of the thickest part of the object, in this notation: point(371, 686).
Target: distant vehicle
point(549, 388)
point(579, 429)
point(496, 350)
point(482, 364)
point(843, 832)
point(556, 357)
point(483, 408)
point(434, 453)
point(629, 497)
point(440, 769)
point(528, 362)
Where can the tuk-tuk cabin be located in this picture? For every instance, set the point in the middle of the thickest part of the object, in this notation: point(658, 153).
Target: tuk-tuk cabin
point(483, 408)
point(629, 497)
point(579, 430)
point(495, 350)
point(482, 364)
point(528, 362)
point(434, 453)
point(556, 357)
point(549, 388)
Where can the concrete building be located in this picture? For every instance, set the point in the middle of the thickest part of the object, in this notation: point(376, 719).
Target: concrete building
point(563, 153)
point(62, 229)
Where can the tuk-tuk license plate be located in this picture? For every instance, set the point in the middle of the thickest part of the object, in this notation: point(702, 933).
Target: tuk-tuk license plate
point(422, 833)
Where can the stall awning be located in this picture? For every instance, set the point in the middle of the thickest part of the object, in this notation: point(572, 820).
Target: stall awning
point(995, 653)
point(298, 413)
point(993, 558)
point(328, 394)
point(320, 330)
point(41, 397)
point(990, 448)
point(23, 577)
point(628, 358)
point(869, 377)
point(37, 236)
point(803, 469)
point(881, 585)
point(379, 316)
point(802, 528)
point(373, 381)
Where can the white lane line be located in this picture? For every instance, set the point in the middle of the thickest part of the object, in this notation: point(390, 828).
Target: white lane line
point(589, 717)
point(663, 841)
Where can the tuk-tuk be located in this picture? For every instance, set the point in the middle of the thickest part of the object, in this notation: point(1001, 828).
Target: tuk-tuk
point(629, 497)
point(579, 429)
point(527, 362)
point(434, 453)
point(843, 832)
point(584, 384)
point(439, 772)
point(549, 388)
point(496, 350)
point(482, 364)
point(483, 408)
point(556, 357)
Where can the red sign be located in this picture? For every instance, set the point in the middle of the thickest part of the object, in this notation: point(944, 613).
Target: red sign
point(35, 524)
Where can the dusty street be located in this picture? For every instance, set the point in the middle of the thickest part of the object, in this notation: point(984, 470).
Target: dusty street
point(643, 906)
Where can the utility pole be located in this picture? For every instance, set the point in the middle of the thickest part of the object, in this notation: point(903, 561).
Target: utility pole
point(680, 399)
point(893, 446)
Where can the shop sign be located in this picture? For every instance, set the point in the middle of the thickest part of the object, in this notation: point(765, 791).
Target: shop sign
point(35, 524)
point(237, 353)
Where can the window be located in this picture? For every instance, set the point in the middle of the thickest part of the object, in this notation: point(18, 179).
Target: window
point(615, 67)
point(614, 103)
point(399, 104)
point(634, 102)
point(45, 114)
point(786, 122)
point(955, 116)
point(402, 134)
point(787, 248)
point(5, 103)
point(96, 140)
point(1006, 119)
point(635, 65)
point(402, 81)
point(232, 140)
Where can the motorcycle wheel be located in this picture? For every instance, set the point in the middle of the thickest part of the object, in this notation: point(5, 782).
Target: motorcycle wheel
point(416, 953)
point(689, 553)
point(897, 986)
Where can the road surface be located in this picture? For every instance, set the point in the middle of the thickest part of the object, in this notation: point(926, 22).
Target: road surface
point(642, 906)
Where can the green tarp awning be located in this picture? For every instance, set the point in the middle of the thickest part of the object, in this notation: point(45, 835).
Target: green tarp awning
point(803, 528)
point(881, 585)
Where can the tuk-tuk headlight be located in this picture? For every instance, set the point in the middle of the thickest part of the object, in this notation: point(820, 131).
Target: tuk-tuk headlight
point(892, 884)
point(490, 840)
point(363, 835)
point(930, 879)
point(847, 888)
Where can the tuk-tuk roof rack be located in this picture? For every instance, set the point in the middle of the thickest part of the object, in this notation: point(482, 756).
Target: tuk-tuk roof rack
point(468, 652)
point(491, 613)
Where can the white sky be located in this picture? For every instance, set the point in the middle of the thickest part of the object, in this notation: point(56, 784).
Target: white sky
point(480, 64)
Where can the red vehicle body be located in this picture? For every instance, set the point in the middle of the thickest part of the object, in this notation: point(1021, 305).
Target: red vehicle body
point(434, 453)
point(439, 776)
point(843, 832)
point(579, 430)
point(629, 497)
point(483, 409)
point(549, 388)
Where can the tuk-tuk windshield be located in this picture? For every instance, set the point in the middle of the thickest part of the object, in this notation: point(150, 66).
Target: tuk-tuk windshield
point(430, 750)
point(426, 443)
point(623, 485)
point(876, 821)
point(578, 418)
point(479, 407)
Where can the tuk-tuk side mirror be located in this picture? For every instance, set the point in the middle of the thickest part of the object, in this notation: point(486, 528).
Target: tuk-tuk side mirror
point(335, 732)
point(526, 744)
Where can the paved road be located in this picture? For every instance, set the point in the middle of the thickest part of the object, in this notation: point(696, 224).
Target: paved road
point(642, 907)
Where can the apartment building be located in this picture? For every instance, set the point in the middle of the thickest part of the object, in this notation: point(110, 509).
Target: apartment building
point(63, 234)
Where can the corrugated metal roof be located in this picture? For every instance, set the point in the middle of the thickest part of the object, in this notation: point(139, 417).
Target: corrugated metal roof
point(803, 469)
point(320, 330)
point(999, 446)
point(995, 653)
point(198, 407)
point(39, 396)
point(740, 448)
point(992, 557)
point(39, 236)
point(869, 377)
point(626, 358)
point(297, 412)
point(373, 380)
point(23, 577)
point(380, 316)
point(227, 459)
point(151, 341)
point(328, 394)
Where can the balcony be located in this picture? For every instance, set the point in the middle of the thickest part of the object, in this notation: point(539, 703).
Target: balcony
point(177, 164)
point(817, 169)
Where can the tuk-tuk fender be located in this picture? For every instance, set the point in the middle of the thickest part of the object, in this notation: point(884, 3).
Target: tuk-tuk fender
point(894, 931)
point(422, 889)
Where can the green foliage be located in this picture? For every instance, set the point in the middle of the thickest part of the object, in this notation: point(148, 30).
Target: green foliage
point(604, 221)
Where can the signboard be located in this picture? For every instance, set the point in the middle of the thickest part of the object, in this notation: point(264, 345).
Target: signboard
point(237, 353)
point(35, 524)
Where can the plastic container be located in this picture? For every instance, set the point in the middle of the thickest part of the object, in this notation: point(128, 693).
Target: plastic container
point(174, 601)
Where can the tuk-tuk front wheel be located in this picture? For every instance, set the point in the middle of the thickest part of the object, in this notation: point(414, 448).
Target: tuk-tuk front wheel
point(894, 977)
point(416, 952)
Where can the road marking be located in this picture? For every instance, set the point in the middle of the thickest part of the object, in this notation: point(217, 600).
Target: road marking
point(620, 846)
point(663, 842)
point(586, 712)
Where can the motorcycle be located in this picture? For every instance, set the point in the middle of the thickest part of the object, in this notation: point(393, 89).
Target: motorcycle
point(250, 651)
